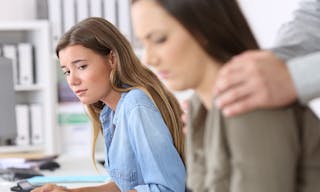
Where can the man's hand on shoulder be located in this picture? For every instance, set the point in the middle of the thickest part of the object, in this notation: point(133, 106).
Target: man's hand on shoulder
point(253, 80)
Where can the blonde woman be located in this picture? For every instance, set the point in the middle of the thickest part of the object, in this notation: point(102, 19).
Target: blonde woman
point(139, 118)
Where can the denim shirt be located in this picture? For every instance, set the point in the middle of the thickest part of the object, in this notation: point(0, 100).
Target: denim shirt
point(140, 153)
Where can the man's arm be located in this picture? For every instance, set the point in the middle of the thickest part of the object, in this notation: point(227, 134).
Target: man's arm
point(301, 36)
point(259, 79)
point(298, 43)
point(305, 72)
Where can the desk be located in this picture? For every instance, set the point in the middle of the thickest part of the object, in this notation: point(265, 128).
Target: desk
point(70, 165)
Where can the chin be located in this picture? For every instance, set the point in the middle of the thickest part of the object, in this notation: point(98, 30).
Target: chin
point(86, 101)
point(177, 87)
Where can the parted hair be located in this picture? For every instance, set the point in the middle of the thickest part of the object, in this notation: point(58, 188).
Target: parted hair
point(219, 26)
point(103, 37)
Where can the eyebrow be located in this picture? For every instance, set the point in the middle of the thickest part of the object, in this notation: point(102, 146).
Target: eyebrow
point(148, 36)
point(74, 62)
point(154, 32)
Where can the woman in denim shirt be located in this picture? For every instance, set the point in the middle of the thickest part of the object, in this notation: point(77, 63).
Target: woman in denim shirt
point(139, 118)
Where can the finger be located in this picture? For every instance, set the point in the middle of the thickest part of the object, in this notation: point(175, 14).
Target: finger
point(36, 189)
point(60, 189)
point(253, 101)
point(48, 187)
point(224, 84)
point(235, 94)
point(230, 67)
point(240, 107)
point(227, 73)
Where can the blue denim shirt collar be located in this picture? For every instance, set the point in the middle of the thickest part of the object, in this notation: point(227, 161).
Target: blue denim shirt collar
point(109, 119)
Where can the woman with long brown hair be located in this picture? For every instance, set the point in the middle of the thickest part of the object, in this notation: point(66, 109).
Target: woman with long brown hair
point(138, 116)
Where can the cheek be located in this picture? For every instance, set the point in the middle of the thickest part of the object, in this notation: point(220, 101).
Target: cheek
point(178, 52)
point(101, 79)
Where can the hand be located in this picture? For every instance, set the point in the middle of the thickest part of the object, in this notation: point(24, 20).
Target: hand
point(253, 80)
point(51, 188)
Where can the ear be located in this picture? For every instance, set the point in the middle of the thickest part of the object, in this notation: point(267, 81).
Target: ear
point(112, 59)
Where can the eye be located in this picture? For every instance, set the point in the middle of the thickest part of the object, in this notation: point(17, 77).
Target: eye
point(160, 40)
point(66, 73)
point(82, 67)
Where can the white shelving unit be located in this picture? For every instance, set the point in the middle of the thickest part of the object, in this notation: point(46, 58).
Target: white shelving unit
point(43, 91)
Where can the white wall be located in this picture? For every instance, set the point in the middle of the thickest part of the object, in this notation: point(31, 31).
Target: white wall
point(17, 9)
point(266, 16)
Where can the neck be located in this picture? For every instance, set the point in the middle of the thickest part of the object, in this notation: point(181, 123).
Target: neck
point(112, 99)
point(204, 90)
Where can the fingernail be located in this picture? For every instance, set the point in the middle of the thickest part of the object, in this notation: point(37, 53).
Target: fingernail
point(226, 112)
point(217, 102)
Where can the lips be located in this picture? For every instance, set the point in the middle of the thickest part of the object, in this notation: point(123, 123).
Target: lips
point(163, 74)
point(80, 92)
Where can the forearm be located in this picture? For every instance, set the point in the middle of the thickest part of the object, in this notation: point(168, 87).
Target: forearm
point(109, 187)
point(300, 36)
point(304, 72)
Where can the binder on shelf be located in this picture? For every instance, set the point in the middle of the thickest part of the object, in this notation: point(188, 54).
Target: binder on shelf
point(55, 17)
point(95, 8)
point(25, 60)
point(37, 34)
point(110, 11)
point(82, 8)
point(23, 129)
point(10, 52)
point(69, 14)
point(8, 132)
point(42, 9)
point(124, 18)
point(36, 124)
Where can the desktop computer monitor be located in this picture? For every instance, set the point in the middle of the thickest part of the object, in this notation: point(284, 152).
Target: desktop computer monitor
point(8, 130)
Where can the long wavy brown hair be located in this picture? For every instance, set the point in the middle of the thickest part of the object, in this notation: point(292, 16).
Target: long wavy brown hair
point(102, 37)
point(219, 26)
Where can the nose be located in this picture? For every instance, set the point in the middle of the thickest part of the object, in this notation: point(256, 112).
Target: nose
point(73, 79)
point(150, 58)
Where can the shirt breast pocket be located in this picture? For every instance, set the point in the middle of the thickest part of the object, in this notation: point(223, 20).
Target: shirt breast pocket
point(125, 179)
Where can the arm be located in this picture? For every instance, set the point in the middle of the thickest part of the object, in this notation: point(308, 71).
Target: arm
point(161, 166)
point(301, 36)
point(109, 187)
point(305, 74)
point(298, 43)
point(261, 79)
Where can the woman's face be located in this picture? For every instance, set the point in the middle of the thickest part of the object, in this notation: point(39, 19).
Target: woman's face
point(169, 47)
point(86, 72)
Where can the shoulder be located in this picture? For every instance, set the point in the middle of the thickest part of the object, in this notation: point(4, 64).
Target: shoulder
point(264, 119)
point(195, 106)
point(137, 98)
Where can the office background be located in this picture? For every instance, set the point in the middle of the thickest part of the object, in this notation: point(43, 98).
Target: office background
point(71, 126)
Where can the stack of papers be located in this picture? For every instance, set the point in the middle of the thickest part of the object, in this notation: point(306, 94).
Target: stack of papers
point(25, 163)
